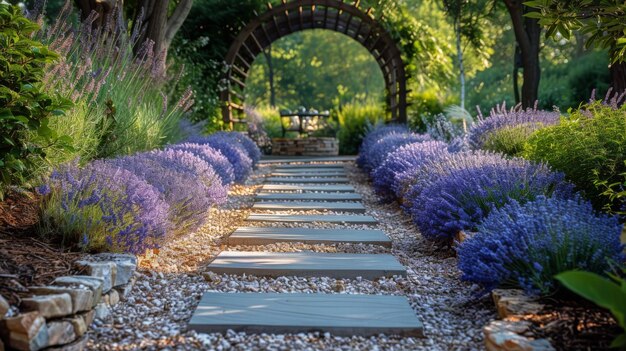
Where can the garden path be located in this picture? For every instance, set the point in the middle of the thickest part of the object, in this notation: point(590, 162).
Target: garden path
point(296, 185)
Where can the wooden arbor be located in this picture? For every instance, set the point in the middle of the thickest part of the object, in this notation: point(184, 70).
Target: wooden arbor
point(294, 16)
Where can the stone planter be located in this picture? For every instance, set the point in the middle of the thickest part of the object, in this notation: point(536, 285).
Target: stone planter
point(311, 146)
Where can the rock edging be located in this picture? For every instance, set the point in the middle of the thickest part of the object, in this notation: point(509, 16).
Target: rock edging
point(510, 333)
point(58, 316)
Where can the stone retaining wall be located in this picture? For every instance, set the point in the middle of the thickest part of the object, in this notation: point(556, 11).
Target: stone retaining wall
point(57, 316)
point(311, 146)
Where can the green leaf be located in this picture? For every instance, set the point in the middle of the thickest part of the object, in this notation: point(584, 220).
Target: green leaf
point(601, 291)
point(536, 15)
point(619, 342)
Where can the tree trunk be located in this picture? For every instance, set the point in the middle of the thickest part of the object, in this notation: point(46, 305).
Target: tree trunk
point(158, 27)
point(104, 9)
point(618, 77)
point(517, 62)
point(459, 54)
point(527, 34)
point(270, 74)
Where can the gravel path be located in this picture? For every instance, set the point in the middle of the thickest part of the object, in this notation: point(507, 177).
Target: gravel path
point(171, 283)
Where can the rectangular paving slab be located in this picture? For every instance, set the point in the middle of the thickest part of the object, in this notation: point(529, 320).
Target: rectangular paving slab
point(309, 169)
point(308, 174)
point(306, 180)
point(309, 205)
point(307, 264)
point(308, 196)
point(321, 188)
point(348, 219)
point(338, 314)
point(268, 235)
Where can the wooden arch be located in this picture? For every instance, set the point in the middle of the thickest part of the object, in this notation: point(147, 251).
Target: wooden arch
point(294, 16)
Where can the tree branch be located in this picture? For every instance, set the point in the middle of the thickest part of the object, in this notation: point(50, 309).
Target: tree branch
point(176, 19)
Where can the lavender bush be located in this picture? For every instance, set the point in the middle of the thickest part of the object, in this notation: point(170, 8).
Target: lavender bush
point(526, 245)
point(373, 136)
point(176, 175)
point(378, 151)
point(103, 208)
point(248, 144)
point(411, 183)
point(233, 151)
point(462, 198)
point(385, 177)
point(507, 131)
point(213, 157)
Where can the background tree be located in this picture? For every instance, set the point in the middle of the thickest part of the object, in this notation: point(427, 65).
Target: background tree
point(159, 20)
point(528, 37)
point(604, 20)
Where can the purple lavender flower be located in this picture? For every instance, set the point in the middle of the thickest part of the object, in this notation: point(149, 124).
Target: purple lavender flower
point(373, 136)
point(103, 207)
point(188, 184)
point(233, 151)
point(212, 156)
point(412, 182)
point(526, 245)
point(377, 152)
point(463, 197)
point(248, 144)
point(517, 121)
point(401, 161)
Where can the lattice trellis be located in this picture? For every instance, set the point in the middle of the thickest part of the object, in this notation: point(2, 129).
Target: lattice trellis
point(294, 16)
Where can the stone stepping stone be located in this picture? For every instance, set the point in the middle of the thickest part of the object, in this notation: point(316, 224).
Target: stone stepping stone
point(310, 175)
point(307, 264)
point(348, 219)
point(268, 235)
point(321, 188)
point(276, 313)
point(292, 205)
point(305, 180)
point(311, 166)
point(309, 196)
point(309, 170)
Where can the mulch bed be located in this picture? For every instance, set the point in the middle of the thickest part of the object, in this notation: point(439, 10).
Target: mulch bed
point(574, 325)
point(25, 259)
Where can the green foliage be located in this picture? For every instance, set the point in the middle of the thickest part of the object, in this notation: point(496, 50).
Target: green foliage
point(605, 20)
point(25, 107)
point(354, 119)
point(590, 148)
point(615, 191)
point(123, 95)
point(509, 140)
point(603, 292)
point(311, 70)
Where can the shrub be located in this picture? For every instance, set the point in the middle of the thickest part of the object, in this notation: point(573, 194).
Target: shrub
point(507, 132)
point(353, 121)
point(590, 148)
point(234, 152)
point(174, 173)
point(118, 79)
point(378, 152)
point(213, 157)
point(461, 199)
point(411, 183)
point(401, 161)
point(376, 133)
point(25, 107)
point(248, 144)
point(103, 208)
point(525, 245)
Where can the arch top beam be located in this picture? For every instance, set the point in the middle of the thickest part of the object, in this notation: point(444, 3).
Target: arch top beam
point(294, 16)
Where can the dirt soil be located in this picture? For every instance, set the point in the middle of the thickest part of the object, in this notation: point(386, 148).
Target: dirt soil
point(25, 259)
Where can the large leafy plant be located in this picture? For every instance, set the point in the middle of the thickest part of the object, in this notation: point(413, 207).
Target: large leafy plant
point(24, 106)
point(609, 294)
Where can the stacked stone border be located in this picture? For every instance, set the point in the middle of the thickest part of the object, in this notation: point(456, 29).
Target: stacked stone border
point(58, 316)
point(310, 146)
point(511, 332)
